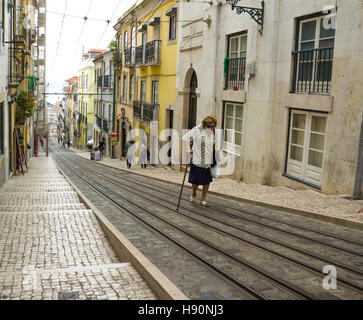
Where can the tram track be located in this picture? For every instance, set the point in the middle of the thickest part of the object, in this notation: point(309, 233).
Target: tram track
point(279, 283)
point(238, 210)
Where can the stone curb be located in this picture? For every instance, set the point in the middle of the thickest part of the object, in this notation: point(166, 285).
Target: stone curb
point(162, 287)
point(338, 221)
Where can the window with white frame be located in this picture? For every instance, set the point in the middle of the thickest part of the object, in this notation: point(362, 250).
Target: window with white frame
point(172, 27)
point(233, 120)
point(2, 25)
point(154, 92)
point(119, 87)
point(126, 39)
point(131, 93)
point(133, 44)
point(124, 88)
point(314, 55)
point(237, 61)
point(120, 43)
point(238, 46)
point(142, 90)
point(307, 134)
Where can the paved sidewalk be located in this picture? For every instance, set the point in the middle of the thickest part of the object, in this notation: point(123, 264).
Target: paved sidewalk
point(305, 200)
point(53, 248)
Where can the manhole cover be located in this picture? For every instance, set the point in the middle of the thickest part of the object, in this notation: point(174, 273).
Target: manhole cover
point(67, 295)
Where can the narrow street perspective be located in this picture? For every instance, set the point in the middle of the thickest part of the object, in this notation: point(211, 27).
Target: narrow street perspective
point(202, 152)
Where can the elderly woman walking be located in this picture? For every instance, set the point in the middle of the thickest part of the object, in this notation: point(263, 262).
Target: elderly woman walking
point(200, 143)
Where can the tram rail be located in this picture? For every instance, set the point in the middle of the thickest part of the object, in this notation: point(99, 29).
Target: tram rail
point(281, 284)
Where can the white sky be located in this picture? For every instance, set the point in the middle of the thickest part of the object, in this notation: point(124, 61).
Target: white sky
point(64, 64)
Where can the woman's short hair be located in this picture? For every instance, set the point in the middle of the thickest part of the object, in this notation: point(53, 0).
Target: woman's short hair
point(209, 119)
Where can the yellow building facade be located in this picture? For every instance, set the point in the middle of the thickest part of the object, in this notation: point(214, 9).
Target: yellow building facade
point(156, 63)
point(125, 77)
point(85, 100)
point(20, 30)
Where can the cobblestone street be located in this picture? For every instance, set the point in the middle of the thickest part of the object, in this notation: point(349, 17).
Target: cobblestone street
point(305, 200)
point(53, 248)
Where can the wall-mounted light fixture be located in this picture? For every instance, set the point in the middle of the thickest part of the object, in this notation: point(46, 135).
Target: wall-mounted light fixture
point(255, 13)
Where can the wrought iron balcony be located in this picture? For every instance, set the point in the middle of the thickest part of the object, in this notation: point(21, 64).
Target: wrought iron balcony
point(236, 73)
point(145, 112)
point(99, 81)
point(312, 71)
point(99, 122)
point(149, 54)
point(117, 59)
point(129, 57)
point(105, 125)
point(16, 67)
point(104, 81)
point(137, 108)
point(107, 81)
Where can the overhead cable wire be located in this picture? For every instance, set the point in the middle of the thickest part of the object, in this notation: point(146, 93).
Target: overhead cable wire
point(85, 18)
point(108, 24)
point(60, 37)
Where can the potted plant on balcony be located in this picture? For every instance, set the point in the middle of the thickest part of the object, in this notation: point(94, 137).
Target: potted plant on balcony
point(24, 106)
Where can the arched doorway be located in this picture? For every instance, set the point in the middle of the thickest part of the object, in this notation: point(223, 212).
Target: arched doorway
point(192, 116)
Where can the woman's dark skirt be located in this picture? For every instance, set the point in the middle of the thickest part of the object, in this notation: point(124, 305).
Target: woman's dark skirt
point(199, 176)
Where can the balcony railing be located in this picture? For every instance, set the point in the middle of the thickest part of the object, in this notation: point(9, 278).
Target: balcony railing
point(129, 57)
point(99, 122)
point(99, 81)
point(312, 71)
point(107, 81)
point(104, 81)
point(145, 112)
point(16, 66)
point(105, 125)
point(149, 54)
point(117, 60)
point(236, 70)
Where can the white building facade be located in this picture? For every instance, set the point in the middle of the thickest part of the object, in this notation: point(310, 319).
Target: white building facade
point(289, 95)
point(103, 100)
point(4, 111)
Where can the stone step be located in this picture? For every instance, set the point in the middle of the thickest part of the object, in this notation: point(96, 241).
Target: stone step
point(46, 211)
point(38, 189)
point(36, 184)
point(39, 178)
point(38, 198)
point(43, 208)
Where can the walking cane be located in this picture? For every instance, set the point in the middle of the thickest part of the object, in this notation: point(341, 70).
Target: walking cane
point(181, 191)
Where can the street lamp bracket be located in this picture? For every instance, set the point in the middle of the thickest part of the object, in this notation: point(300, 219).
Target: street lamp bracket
point(255, 13)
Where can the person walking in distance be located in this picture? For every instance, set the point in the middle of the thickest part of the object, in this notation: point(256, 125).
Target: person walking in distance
point(143, 153)
point(129, 151)
point(102, 146)
point(199, 142)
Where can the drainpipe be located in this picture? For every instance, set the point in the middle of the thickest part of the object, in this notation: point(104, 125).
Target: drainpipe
point(216, 70)
point(359, 173)
point(113, 109)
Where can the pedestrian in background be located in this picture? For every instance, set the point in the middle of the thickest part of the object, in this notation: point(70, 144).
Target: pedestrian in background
point(130, 152)
point(102, 146)
point(95, 154)
point(143, 154)
point(200, 144)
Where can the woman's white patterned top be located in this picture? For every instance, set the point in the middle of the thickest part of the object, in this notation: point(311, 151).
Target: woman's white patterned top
point(202, 145)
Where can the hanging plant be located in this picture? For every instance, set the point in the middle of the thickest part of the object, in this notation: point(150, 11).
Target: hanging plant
point(24, 105)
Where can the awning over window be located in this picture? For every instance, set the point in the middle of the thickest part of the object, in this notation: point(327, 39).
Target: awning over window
point(155, 22)
point(171, 11)
point(143, 28)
